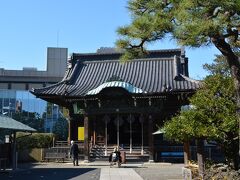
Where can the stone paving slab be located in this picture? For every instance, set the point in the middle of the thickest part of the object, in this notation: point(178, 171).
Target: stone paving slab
point(161, 172)
point(119, 174)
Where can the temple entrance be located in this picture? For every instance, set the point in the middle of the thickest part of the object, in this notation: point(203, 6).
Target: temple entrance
point(124, 130)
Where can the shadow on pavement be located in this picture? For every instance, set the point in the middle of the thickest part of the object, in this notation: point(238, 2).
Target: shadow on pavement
point(53, 174)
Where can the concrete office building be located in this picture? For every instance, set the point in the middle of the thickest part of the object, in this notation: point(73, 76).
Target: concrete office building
point(15, 86)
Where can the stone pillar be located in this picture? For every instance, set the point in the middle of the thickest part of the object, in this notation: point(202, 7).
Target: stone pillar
point(200, 157)
point(186, 147)
point(150, 138)
point(86, 144)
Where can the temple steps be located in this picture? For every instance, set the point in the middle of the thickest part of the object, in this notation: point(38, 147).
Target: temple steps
point(98, 153)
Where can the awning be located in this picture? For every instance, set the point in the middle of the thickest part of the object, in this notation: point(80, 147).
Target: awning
point(9, 123)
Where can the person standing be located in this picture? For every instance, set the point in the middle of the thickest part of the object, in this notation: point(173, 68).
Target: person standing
point(74, 153)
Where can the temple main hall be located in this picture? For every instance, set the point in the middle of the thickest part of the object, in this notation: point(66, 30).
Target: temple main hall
point(114, 103)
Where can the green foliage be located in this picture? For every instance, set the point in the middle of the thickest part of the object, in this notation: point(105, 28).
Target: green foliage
point(60, 129)
point(186, 126)
point(31, 119)
point(35, 140)
point(219, 66)
point(195, 23)
point(213, 117)
point(192, 23)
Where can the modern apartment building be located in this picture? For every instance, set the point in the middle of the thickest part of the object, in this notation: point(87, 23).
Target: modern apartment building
point(15, 86)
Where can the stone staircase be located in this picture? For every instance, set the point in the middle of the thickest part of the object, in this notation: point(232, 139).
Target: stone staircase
point(97, 153)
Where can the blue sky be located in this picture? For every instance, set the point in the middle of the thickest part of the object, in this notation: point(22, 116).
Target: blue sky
point(28, 27)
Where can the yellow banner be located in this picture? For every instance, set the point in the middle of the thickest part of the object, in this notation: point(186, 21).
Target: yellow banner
point(81, 133)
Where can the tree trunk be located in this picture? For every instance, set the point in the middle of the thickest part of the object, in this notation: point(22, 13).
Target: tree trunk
point(234, 64)
point(230, 148)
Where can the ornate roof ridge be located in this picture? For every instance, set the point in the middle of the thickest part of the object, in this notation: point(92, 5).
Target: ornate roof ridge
point(109, 53)
point(133, 60)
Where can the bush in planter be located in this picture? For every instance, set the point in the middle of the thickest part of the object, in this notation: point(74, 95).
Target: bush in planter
point(35, 140)
point(29, 146)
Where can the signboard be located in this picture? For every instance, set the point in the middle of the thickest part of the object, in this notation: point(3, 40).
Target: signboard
point(81, 133)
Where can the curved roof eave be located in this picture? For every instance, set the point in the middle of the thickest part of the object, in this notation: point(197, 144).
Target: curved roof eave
point(127, 86)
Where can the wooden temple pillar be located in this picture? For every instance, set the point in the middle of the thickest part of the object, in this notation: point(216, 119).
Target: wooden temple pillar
point(70, 119)
point(71, 125)
point(150, 138)
point(14, 152)
point(106, 119)
point(118, 119)
point(130, 120)
point(86, 142)
point(94, 132)
point(141, 120)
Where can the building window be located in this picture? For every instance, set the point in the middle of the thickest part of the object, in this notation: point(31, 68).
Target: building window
point(26, 86)
point(9, 86)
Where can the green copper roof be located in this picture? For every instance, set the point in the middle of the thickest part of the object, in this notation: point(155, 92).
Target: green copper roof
point(9, 123)
point(130, 88)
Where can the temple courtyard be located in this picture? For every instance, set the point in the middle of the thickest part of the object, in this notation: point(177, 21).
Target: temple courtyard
point(95, 171)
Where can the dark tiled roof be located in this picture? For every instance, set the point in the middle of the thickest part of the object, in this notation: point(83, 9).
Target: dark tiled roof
point(9, 123)
point(159, 72)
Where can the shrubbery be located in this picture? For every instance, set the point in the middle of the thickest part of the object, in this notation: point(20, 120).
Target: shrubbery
point(35, 140)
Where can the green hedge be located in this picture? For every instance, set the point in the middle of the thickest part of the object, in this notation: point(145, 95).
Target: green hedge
point(35, 140)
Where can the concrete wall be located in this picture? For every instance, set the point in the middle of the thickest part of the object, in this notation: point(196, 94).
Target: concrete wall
point(56, 61)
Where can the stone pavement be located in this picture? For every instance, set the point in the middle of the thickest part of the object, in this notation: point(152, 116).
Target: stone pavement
point(119, 174)
point(145, 171)
point(96, 171)
point(160, 171)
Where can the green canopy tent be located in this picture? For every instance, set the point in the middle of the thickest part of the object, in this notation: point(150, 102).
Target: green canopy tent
point(15, 126)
